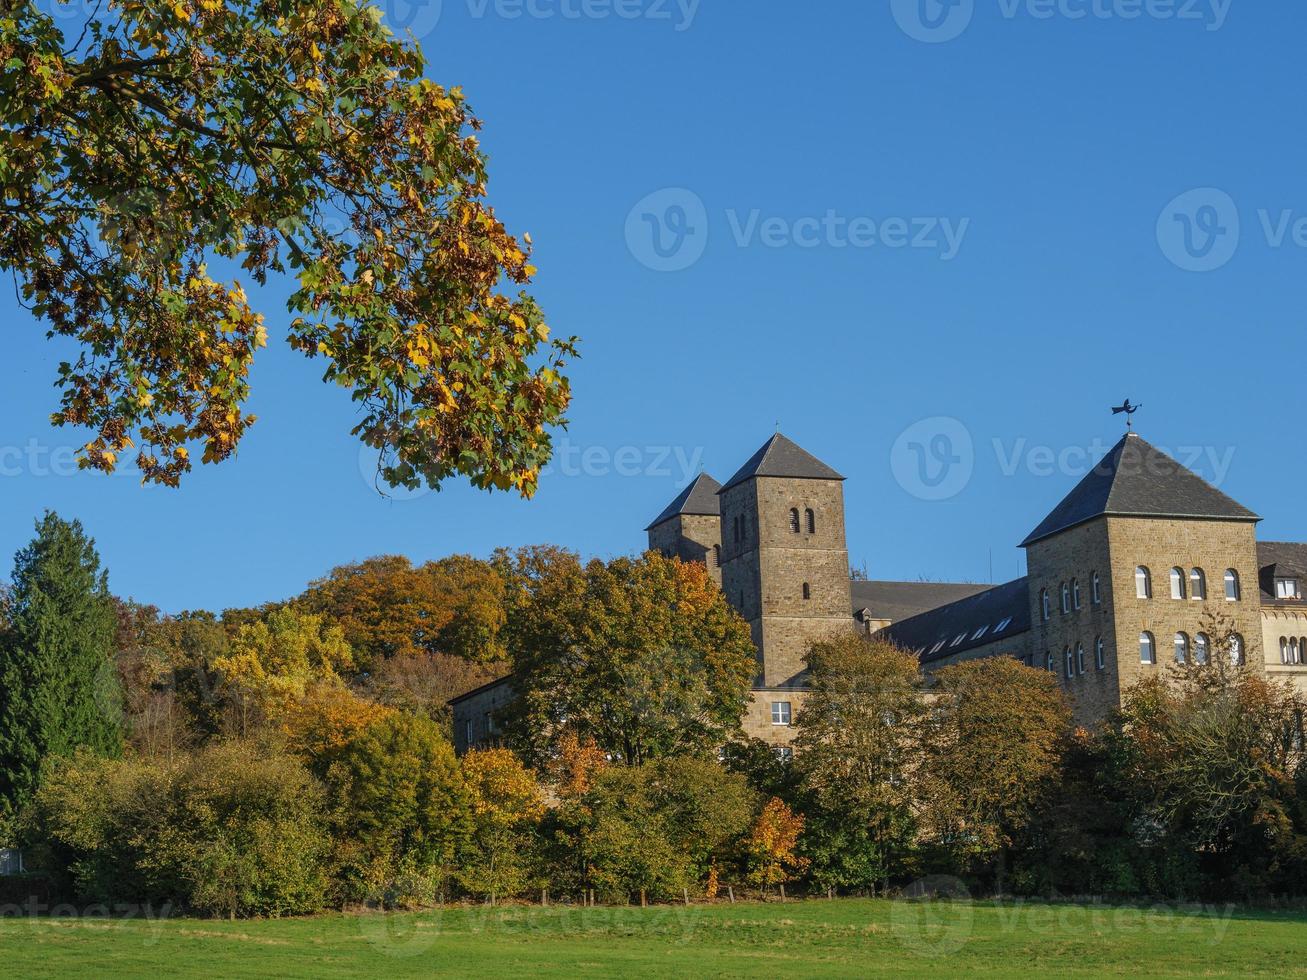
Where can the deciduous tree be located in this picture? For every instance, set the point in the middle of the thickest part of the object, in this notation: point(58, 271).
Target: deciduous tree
point(147, 157)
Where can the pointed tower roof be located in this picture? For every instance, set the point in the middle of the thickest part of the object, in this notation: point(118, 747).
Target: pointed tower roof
point(700, 497)
point(1139, 480)
point(781, 457)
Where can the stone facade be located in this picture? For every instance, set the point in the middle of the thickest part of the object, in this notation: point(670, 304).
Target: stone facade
point(785, 567)
point(474, 714)
point(690, 537)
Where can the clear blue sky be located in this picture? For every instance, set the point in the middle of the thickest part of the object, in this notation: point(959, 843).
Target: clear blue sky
point(1053, 147)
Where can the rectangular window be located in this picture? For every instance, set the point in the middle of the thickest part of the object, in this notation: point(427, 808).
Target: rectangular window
point(467, 732)
point(1287, 588)
point(784, 753)
point(780, 712)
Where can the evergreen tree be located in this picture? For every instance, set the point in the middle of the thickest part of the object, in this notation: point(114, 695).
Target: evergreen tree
point(58, 687)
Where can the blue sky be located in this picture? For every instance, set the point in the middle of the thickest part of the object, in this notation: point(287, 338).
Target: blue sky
point(934, 245)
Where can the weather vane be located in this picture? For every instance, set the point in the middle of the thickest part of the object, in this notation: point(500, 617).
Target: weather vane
point(1129, 411)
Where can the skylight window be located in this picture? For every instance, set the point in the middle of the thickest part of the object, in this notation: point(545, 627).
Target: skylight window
point(1003, 624)
point(938, 647)
point(980, 632)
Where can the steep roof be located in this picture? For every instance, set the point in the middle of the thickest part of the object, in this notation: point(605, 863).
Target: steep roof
point(1138, 480)
point(700, 497)
point(780, 456)
point(1280, 559)
point(903, 600)
point(956, 625)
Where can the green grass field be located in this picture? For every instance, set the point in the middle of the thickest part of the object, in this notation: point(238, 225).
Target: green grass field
point(797, 939)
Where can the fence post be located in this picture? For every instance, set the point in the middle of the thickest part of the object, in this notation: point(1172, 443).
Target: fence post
point(730, 890)
point(685, 894)
point(782, 891)
point(643, 903)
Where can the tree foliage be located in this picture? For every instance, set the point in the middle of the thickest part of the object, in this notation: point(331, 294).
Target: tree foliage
point(274, 136)
point(644, 656)
point(58, 687)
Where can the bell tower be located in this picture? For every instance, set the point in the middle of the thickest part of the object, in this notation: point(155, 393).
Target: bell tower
point(785, 563)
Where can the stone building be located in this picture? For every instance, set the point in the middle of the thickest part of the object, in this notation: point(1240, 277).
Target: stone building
point(1123, 577)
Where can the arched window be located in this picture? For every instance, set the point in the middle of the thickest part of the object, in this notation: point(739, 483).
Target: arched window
point(1080, 658)
point(1075, 593)
point(1177, 583)
point(794, 519)
point(1181, 648)
point(716, 556)
point(1050, 662)
point(811, 520)
point(1066, 598)
point(1095, 589)
point(1198, 584)
point(1231, 585)
point(1147, 648)
point(1045, 607)
point(1201, 645)
point(1143, 582)
point(1284, 650)
point(1236, 650)
point(807, 591)
point(1070, 664)
point(1100, 654)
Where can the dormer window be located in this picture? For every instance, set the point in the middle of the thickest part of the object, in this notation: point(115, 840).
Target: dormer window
point(1287, 588)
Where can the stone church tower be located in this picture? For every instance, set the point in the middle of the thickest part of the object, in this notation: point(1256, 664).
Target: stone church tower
point(785, 564)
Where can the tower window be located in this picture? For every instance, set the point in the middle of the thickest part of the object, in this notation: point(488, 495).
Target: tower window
point(811, 520)
point(1080, 658)
point(1201, 645)
point(1070, 664)
point(1049, 662)
point(1177, 583)
point(1181, 648)
point(1100, 654)
point(1198, 584)
point(1231, 585)
point(807, 591)
point(1066, 598)
point(1075, 593)
point(1045, 609)
point(794, 519)
point(1143, 582)
point(1096, 589)
point(1147, 648)
point(716, 556)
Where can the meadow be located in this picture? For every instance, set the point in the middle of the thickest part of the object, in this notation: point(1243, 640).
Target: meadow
point(843, 937)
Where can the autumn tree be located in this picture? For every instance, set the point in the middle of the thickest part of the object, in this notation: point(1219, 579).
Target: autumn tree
point(58, 687)
point(773, 846)
point(273, 662)
point(643, 656)
point(860, 755)
point(996, 739)
point(163, 146)
point(507, 805)
point(400, 807)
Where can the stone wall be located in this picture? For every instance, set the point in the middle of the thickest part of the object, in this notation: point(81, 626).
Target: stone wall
point(474, 715)
point(1112, 548)
point(757, 719)
point(1283, 622)
point(690, 537)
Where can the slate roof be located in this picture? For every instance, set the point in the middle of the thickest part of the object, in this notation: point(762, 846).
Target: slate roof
point(957, 624)
point(700, 497)
point(1280, 559)
point(903, 600)
point(780, 456)
point(1138, 480)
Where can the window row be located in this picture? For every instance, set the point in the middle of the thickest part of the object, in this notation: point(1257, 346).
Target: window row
point(1187, 585)
point(1071, 596)
point(1074, 660)
point(1293, 650)
point(979, 634)
point(1196, 650)
point(809, 520)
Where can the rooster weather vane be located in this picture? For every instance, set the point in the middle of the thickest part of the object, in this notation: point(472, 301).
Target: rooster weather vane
point(1129, 412)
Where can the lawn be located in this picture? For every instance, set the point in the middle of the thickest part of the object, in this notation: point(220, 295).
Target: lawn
point(799, 939)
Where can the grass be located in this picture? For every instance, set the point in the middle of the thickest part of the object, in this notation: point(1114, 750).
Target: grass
point(850, 937)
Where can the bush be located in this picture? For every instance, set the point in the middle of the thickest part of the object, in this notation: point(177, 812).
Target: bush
point(232, 830)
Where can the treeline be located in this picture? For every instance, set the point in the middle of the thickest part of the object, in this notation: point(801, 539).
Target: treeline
point(296, 757)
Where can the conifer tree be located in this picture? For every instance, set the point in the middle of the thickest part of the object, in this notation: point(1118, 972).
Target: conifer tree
point(58, 687)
